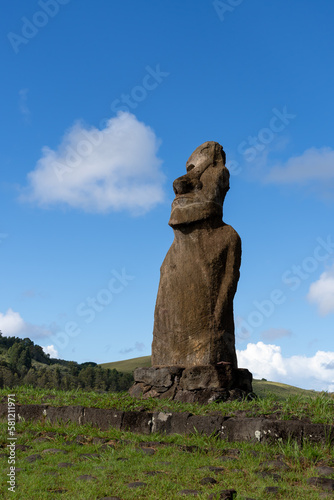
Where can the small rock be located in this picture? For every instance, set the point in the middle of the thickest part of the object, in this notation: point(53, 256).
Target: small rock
point(272, 475)
point(324, 470)
point(136, 484)
point(273, 490)
point(65, 464)
point(274, 464)
point(147, 451)
point(216, 469)
point(33, 458)
point(224, 495)
point(324, 483)
point(23, 447)
point(208, 480)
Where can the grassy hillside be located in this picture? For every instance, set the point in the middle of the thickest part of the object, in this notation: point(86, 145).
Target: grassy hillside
point(129, 365)
point(260, 387)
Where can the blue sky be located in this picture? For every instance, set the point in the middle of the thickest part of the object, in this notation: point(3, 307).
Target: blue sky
point(102, 103)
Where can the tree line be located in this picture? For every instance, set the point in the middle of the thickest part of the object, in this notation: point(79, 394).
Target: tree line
point(24, 363)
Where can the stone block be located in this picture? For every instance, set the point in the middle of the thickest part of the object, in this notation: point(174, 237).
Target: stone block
point(136, 421)
point(103, 418)
point(207, 377)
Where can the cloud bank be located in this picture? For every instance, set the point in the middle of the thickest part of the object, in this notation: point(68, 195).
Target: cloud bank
point(321, 292)
point(314, 168)
point(99, 171)
point(13, 325)
point(266, 361)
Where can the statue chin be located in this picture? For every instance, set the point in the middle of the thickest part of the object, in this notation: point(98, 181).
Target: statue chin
point(193, 212)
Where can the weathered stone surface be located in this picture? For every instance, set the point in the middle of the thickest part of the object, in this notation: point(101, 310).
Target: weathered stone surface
point(207, 377)
point(202, 384)
point(103, 418)
point(324, 470)
point(261, 429)
point(30, 412)
point(324, 483)
point(314, 433)
point(208, 425)
point(193, 320)
point(207, 480)
point(162, 377)
point(136, 421)
point(64, 413)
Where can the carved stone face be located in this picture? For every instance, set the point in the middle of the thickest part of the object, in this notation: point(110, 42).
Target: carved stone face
point(200, 193)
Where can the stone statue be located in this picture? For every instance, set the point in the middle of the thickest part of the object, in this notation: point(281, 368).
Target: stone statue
point(193, 349)
point(193, 321)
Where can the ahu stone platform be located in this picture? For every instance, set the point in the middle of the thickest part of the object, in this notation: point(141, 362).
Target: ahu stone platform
point(202, 384)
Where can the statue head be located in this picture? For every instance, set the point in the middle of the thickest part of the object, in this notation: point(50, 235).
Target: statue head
point(200, 193)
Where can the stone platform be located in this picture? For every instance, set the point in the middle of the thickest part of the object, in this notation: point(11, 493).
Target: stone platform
point(202, 384)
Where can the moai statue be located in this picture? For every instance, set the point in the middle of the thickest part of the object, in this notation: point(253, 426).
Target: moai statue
point(193, 349)
point(193, 321)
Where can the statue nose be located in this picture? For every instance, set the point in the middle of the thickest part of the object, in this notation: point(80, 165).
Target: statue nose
point(186, 184)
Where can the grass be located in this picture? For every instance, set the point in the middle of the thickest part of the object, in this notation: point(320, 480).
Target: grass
point(317, 408)
point(166, 464)
point(129, 365)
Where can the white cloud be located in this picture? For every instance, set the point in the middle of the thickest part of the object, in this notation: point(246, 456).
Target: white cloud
point(100, 171)
point(13, 325)
point(50, 349)
point(275, 333)
point(266, 361)
point(314, 168)
point(321, 292)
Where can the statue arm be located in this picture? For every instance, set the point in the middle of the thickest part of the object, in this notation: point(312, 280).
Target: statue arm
point(230, 276)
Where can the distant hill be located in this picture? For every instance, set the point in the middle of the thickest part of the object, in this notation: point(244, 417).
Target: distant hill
point(22, 362)
point(129, 365)
point(260, 387)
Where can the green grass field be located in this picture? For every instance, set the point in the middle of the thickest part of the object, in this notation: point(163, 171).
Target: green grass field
point(85, 463)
